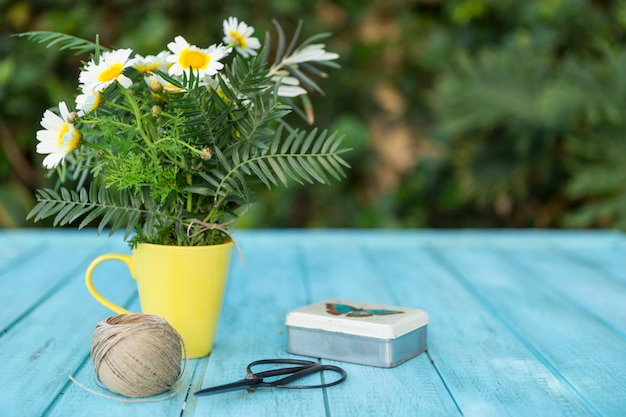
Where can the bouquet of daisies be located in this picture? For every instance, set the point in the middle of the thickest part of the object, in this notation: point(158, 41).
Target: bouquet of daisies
point(168, 147)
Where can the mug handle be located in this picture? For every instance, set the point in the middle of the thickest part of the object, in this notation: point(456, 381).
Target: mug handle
point(126, 259)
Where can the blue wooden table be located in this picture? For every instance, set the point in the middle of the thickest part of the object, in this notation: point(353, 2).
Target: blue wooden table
point(521, 323)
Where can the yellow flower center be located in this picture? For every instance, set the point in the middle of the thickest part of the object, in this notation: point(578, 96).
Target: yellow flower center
point(74, 141)
point(239, 40)
point(144, 69)
point(62, 132)
point(111, 73)
point(97, 102)
point(194, 59)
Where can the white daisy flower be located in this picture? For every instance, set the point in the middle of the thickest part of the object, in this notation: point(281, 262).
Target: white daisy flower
point(203, 62)
point(58, 138)
point(310, 53)
point(239, 35)
point(110, 68)
point(288, 86)
point(150, 63)
point(88, 101)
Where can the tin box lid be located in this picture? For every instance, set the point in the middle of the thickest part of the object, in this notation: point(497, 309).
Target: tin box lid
point(360, 319)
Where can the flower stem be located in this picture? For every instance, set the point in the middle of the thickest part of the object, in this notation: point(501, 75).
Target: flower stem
point(139, 122)
point(189, 195)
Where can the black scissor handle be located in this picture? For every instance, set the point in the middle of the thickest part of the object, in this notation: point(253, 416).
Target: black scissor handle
point(282, 371)
point(305, 368)
point(285, 382)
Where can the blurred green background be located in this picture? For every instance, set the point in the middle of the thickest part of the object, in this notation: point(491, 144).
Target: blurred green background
point(461, 113)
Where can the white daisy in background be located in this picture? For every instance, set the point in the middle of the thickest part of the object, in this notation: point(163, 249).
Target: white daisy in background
point(239, 35)
point(310, 53)
point(203, 62)
point(289, 86)
point(109, 69)
point(150, 63)
point(58, 138)
point(88, 101)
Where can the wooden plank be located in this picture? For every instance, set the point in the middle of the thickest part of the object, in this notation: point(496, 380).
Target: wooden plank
point(595, 290)
point(347, 273)
point(11, 255)
point(493, 336)
point(258, 298)
point(37, 276)
point(74, 401)
point(610, 260)
point(582, 352)
point(485, 367)
point(442, 238)
point(336, 237)
point(29, 238)
point(51, 341)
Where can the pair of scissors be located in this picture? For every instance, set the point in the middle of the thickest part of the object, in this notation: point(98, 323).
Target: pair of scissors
point(254, 380)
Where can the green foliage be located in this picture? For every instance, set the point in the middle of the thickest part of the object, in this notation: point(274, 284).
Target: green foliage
point(599, 183)
point(536, 124)
point(62, 41)
point(69, 206)
point(513, 109)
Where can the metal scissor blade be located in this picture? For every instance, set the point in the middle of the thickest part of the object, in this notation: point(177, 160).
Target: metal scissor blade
point(233, 386)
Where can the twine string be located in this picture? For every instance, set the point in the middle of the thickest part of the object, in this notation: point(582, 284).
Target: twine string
point(204, 226)
point(132, 400)
point(137, 355)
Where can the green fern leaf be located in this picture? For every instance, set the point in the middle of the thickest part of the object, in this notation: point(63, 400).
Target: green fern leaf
point(287, 142)
point(91, 216)
point(313, 161)
point(105, 220)
point(278, 170)
point(308, 141)
point(299, 171)
point(329, 168)
point(64, 41)
point(46, 205)
point(297, 142)
point(292, 172)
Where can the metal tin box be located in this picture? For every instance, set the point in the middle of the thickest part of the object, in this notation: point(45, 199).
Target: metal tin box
point(367, 334)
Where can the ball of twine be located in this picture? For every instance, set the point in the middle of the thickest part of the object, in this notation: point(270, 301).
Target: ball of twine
point(137, 355)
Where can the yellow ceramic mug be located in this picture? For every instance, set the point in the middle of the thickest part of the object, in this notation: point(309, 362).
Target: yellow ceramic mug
point(183, 284)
